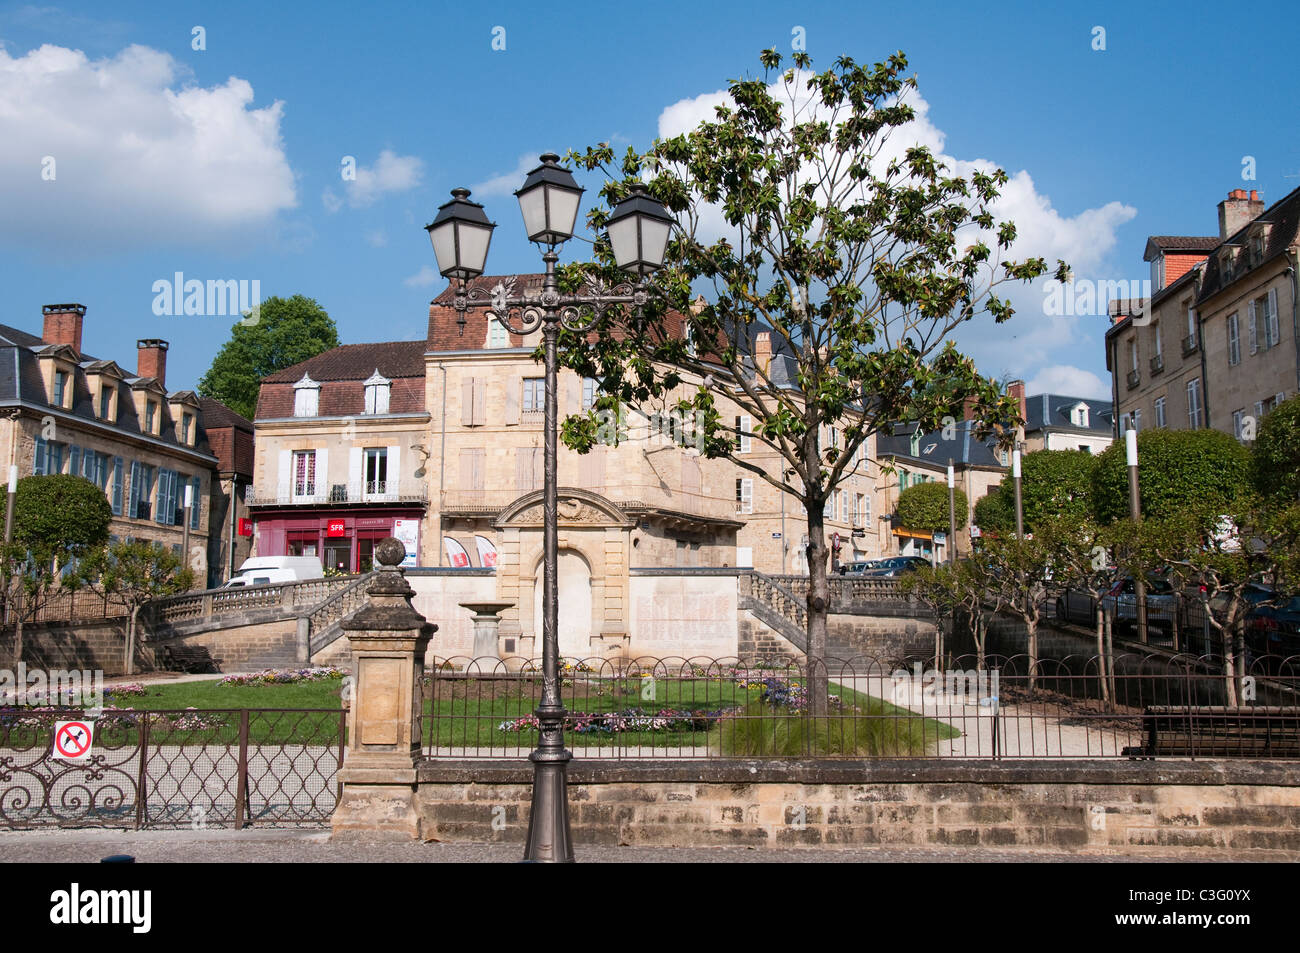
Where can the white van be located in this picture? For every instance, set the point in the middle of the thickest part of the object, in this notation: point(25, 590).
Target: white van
point(273, 570)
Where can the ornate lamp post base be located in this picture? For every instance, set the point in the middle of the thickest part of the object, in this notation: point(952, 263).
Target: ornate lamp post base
point(549, 840)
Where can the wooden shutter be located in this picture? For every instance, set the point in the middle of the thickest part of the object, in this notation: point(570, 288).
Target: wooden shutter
point(467, 402)
point(480, 402)
point(356, 460)
point(1254, 330)
point(591, 470)
point(1273, 336)
point(471, 469)
point(512, 401)
point(394, 469)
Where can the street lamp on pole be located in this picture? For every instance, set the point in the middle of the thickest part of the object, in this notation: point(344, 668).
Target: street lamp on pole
point(638, 230)
point(1015, 479)
point(952, 514)
point(1135, 513)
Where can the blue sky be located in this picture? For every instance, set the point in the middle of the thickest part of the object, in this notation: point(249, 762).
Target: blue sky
point(224, 163)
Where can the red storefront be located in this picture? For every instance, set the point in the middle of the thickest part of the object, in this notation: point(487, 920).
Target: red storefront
point(343, 539)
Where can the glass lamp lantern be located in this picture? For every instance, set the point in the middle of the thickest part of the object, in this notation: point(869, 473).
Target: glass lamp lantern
point(549, 201)
point(460, 235)
point(638, 232)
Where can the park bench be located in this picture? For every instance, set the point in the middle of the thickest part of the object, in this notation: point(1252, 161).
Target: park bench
point(1217, 731)
point(189, 658)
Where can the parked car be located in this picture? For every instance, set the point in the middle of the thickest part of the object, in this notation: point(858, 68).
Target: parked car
point(859, 568)
point(1271, 629)
point(895, 566)
point(273, 570)
point(1161, 600)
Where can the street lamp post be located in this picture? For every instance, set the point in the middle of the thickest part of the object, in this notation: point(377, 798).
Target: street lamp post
point(1015, 479)
point(952, 514)
point(638, 231)
point(1135, 512)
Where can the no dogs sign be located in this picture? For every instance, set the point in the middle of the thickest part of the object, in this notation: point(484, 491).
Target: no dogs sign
point(72, 740)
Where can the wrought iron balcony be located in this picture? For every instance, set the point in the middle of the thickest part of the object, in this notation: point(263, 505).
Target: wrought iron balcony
point(1157, 364)
point(1134, 378)
point(336, 494)
point(1189, 344)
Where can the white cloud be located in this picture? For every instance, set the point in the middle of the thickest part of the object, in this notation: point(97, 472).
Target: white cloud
point(390, 173)
point(507, 182)
point(137, 157)
point(423, 278)
point(1068, 380)
point(1085, 240)
point(376, 238)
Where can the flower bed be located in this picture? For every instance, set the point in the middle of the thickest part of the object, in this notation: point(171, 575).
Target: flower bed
point(630, 719)
point(284, 676)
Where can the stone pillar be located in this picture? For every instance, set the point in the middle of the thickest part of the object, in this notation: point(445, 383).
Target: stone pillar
point(487, 631)
point(388, 639)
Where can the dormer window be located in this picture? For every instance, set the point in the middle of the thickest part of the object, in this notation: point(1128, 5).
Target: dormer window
point(187, 428)
point(378, 389)
point(498, 336)
point(1256, 248)
point(1080, 415)
point(916, 442)
point(61, 389)
point(106, 403)
point(1157, 273)
point(306, 397)
point(1225, 265)
point(150, 416)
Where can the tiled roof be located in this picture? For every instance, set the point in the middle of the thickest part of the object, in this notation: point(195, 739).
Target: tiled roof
point(1190, 243)
point(964, 449)
point(1282, 219)
point(1053, 410)
point(356, 362)
point(216, 414)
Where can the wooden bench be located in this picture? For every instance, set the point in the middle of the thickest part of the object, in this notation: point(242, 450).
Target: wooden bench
point(1218, 731)
point(189, 658)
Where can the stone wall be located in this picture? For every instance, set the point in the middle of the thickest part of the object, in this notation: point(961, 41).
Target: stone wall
point(80, 646)
point(249, 648)
point(684, 614)
point(881, 637)
point(1065, 804)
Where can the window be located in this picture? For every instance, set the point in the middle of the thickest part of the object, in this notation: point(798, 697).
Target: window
point(1225, 263)
point(377, 470)
point(1085, 448)
point(498, 336)
point(1133, 353)
point(828, 510)
point(150, 415)
point(862, 508)
point(60, 388)
point(1157, 273)
point(1268, 304)
point(1234, 340)
point(304, 473)
point(1081, 412)
point(534, 395)
point(1194, 403)
point(1125, 423)
point(1160, 411)
point(378, 389)
point(306, 397)
point(168, 497)
point(844, 507)
point(195, 506)
point(74, 461)
point(105, 402)
point(1137, 419)
point(589, 392)
point(1155, 328)
point(1191, 323)
point(1256, 248)
point(744, 443)
point(916, 442)
point(744, 496)
point(187, 422)
point(141, 490)
point(117, 486)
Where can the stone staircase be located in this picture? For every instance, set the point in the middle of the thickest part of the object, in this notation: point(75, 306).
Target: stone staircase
point(779, 610)
point(326, 620)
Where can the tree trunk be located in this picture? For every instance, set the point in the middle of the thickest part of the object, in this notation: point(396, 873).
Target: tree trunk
point(978, 630)
point(1102, 666)
point(18, 639)
point(1031, 630)
point(1229, 666)
point(130, 642)
point(818, 598)
point(1109, 623)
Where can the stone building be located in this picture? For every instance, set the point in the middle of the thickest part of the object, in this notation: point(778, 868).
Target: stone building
point(64, 411)
point(1217, 345)
point(230, 437)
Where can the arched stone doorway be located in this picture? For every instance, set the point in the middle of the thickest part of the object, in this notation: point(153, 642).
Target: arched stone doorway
point(574, 630)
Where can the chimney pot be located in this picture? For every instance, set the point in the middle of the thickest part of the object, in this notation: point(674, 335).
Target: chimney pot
point(1237, 211)
point(151, 359)
point(63, 324)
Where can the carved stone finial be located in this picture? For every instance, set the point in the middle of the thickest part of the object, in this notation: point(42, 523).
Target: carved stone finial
point(389, 553)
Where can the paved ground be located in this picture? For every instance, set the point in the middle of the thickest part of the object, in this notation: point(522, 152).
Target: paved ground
point(316, 846)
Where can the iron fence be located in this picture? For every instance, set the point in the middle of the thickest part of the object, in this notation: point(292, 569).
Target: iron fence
point(190, 768)
point(994, 707)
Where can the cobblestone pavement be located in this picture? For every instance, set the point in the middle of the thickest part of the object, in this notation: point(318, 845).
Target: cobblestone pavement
point(316, 846)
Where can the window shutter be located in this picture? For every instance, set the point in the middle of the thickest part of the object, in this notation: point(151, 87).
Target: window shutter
point(524, 469)
point(512, 401)
point(39, 457)
point(134, 498)
point(1273, 336)
point(471, 469)
point(480, 402)
point(322, 488)
point(467, 402)
point(117, 486)
point(591, 469)
point(1254, 330)
point(74, 468)
point(196, 483)
point(355, 459)
point(394, 469)
point(284, 474)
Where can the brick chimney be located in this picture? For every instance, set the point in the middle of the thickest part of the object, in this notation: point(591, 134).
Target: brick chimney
point(1016, 389)
point(1238, 210)
point(763, 350)
point(63, 324)
point(151, 359)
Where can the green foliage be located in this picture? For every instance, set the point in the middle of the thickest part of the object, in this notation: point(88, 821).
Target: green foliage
point(925, 507)
point(1053, 483)
point(287, 330)
point(59, 516)
point(132, 574)
point(1202, 470)
point(993, 514)
point(1275, 457)
point(868, 732)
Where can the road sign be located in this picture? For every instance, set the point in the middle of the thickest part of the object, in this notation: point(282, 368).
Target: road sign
point(940, 538)
point(72, 740)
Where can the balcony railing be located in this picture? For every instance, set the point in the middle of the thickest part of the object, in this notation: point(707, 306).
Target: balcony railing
point(319, 494)
point(1157, 364)
point(1134, 378)
point(1189, 344)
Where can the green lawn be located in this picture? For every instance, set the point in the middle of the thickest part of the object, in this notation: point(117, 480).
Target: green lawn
point(212, 694)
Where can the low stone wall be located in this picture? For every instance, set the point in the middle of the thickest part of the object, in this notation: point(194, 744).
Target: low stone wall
point(879, 636)
point(1066, 804)
point(249, 648)
point(72, 646)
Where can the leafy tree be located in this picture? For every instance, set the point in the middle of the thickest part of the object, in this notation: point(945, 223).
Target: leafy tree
point(994, 514)
point(859, 258)
point(286, 331)
point(132, 574)
point(1019, 568)
point(1275, 457)
point(1205, 470)
point(1079, 553)
point(957, 587)
point(925, 507)
point(58, 520)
